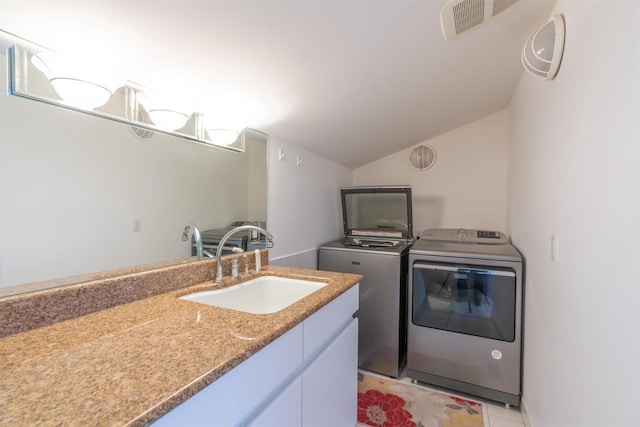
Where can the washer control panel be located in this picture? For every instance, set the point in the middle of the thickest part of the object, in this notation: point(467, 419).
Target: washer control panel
point(464, 235)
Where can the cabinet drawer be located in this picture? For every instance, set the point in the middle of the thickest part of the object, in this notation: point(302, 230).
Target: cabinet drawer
point(284, 410)
point(324, 325)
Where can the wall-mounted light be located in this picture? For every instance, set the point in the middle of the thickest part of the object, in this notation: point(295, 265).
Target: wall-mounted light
point(77, 84)
point(80, 93)
point(223, 137)
point(542, 53)
point(168, 119)
point(46, 77)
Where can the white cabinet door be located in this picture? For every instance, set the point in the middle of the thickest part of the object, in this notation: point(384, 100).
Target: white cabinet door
point(284, 410)
point(330, 383)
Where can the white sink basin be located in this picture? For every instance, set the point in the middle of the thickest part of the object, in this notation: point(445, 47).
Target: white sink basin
point(262, 295)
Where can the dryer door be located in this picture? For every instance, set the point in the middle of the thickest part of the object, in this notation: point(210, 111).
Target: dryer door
point(465, 299)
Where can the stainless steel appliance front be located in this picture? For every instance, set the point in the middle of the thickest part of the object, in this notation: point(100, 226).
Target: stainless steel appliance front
point(465, 299)
point(382, 333)
point(378, 232)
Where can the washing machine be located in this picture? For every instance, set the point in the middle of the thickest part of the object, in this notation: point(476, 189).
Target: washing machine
point(378, 234)
point(465, 313)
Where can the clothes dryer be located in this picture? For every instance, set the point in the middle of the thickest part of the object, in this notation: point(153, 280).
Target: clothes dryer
point(465, 313)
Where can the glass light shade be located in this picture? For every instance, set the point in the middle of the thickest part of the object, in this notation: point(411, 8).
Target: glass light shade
point(223, 137)
point(542, 52)
point(532, 61)
point(41, 65)
point(80, 93)
point(531, 69)
point(543, 42)
point(168, 119)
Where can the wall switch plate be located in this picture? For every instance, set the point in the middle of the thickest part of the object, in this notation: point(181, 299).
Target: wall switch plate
point(136, 225)
point(554, 248)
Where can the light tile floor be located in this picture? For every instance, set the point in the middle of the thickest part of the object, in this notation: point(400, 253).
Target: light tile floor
point(498, 414)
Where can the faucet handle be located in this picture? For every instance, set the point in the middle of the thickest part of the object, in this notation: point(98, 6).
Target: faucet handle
point(185, 233)
point(246, 265)
point(234, 268)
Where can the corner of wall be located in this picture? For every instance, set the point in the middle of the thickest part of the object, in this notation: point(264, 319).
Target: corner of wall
point(303, 207)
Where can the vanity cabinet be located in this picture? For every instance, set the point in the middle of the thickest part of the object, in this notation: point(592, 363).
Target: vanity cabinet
point(329, 384)
point(307, 377)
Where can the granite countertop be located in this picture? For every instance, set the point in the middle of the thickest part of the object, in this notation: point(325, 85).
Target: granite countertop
point(131, 364)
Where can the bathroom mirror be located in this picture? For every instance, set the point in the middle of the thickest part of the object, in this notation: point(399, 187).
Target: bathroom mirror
point(81, 194)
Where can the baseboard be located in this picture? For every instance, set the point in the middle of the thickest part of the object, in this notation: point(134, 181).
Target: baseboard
point(303, 259)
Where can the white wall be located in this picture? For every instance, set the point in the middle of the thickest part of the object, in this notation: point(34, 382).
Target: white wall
point(573, 172)
point(303, 205)
point(467, 185)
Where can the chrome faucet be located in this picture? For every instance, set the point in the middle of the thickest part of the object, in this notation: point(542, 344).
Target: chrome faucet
point(196, 237)
point(231, 233)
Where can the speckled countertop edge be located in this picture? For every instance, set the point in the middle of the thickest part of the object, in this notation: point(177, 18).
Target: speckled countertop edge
point(131, 364)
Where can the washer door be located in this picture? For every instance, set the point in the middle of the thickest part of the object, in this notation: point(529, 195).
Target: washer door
point(464, 299)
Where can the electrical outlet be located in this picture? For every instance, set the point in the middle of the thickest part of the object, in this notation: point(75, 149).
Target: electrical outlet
point(136, 225)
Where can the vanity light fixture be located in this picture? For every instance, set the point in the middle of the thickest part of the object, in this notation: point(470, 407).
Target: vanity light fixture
point(168, 119)
point(224, 137)
point(78, 85)
point(38, 74)
point(80, 93)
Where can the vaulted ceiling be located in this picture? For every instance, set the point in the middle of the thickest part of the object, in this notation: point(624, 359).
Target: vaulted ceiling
point(352, 81)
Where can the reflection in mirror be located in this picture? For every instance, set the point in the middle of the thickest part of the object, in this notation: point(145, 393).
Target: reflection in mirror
point(80, 194)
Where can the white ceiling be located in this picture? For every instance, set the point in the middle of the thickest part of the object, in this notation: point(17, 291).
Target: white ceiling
point(352, 81)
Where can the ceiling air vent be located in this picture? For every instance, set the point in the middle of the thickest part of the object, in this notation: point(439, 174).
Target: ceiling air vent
point(500, 5)
point(459, 16)
point(422, 157)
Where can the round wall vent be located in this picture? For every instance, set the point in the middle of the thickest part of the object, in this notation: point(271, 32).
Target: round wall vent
point(422, 157)
point(141, 133)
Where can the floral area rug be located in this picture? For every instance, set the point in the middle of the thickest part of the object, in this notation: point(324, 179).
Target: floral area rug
point(384, 402)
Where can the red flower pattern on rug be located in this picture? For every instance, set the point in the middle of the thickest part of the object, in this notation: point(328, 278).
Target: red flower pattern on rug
point(464, 404)
point(383, 410)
